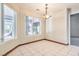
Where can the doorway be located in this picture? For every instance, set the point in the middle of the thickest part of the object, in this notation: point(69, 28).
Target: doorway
point(74, 29)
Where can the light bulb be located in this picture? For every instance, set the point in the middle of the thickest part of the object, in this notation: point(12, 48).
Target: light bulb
point(46, 16)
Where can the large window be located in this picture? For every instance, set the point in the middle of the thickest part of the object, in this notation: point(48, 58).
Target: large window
point(49, 25)
point(8, 23)
point(32, 25)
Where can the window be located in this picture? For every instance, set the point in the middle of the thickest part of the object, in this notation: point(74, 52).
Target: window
point(32, 25)
point(8, 23)
point(49, 25)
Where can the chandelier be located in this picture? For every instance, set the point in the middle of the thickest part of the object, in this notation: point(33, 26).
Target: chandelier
point(45, 15)
point(46, 8)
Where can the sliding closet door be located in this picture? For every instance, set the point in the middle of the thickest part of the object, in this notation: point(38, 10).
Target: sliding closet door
point(74, 26)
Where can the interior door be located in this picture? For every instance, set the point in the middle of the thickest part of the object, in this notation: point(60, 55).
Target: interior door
point(74, 29)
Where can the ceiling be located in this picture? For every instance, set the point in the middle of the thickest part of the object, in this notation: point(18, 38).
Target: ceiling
point(52, 7)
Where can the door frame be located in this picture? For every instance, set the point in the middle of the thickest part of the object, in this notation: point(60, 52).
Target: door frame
point(69, 13)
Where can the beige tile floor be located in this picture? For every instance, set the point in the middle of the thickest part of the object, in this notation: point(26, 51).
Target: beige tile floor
point(45, 48)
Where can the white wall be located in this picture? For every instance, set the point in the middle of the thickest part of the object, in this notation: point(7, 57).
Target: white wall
point(59, 27)
point(58, 32)
point(21, 35)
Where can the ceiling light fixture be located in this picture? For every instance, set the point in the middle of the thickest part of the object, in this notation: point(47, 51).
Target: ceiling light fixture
point(46, 8)
point(45, 15)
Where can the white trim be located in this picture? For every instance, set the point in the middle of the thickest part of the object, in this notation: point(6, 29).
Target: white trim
point(69, 28)
point(68, 25)
point(74, 12)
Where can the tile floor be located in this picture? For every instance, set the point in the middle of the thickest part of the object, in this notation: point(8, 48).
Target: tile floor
point(45, 48)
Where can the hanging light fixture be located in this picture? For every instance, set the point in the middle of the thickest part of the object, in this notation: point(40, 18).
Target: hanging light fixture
point(45, 15)
point(46, 8)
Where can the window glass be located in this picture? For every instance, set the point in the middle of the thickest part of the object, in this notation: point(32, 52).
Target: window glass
point(32, 25)
point(9, 17)
point(49, 25)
